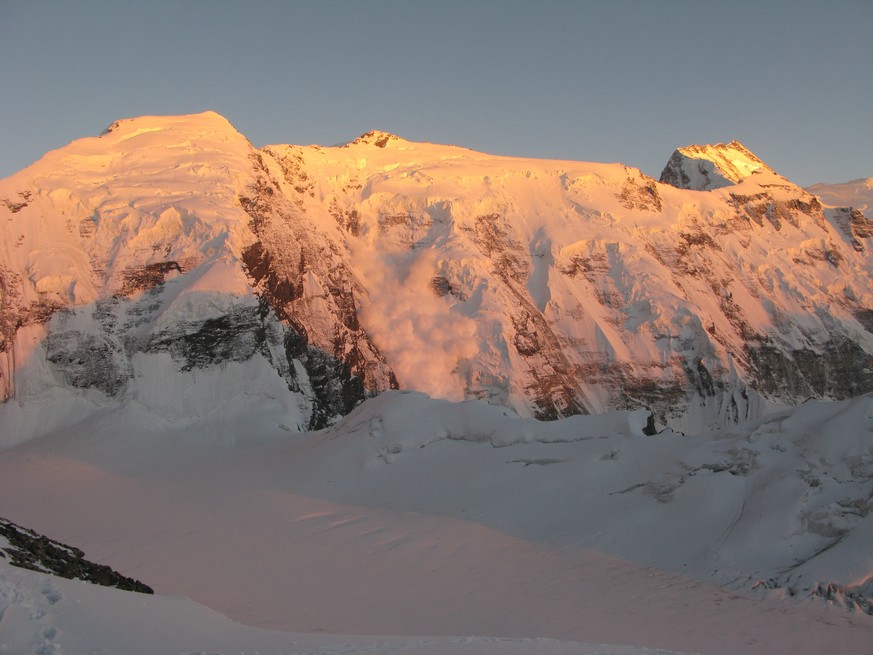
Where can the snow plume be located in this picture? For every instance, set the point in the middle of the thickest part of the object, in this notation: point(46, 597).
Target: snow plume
point(421, 337)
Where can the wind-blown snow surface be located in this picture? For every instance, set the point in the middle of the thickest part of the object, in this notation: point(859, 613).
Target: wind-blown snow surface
point(421, 517)
point(169, 252)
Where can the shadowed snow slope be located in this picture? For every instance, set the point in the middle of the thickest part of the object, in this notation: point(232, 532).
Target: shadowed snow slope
point(414, 516)
point(170, 254)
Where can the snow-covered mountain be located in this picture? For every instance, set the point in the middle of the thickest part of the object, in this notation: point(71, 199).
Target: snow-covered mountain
point(179, 307)
point(170, 263)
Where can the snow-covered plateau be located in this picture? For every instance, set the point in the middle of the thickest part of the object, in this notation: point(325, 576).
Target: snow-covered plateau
point(305, 387)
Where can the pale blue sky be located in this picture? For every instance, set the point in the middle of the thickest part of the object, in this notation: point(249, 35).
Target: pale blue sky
point(617, 80)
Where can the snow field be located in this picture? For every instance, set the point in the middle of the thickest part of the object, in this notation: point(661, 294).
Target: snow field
point(44, 615)
point(422, 517)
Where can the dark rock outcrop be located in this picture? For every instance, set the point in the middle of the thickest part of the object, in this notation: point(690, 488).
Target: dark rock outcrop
point(29, 550)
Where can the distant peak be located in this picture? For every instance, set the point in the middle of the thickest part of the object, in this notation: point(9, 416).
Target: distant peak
point(375, 138)
point(734, 152)
point(703, 167)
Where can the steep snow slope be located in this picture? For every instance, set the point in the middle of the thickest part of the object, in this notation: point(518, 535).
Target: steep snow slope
point(168, 252)
point(420, 517)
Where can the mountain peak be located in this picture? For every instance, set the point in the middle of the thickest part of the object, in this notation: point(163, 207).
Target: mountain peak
point(376, 138)
point(703, 167)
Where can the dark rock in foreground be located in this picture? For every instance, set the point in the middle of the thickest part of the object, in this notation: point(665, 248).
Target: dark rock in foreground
point(28, 550)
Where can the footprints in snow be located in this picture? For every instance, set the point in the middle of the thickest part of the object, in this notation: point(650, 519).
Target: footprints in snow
point(51, 594)
point(35, 607)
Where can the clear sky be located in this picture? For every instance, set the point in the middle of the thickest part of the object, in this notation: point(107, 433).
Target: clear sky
point(618, 80)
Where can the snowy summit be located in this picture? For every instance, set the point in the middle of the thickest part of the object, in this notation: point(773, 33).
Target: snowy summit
point(703, 167)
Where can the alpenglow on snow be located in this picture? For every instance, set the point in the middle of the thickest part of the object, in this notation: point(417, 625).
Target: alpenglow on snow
point(170, 261)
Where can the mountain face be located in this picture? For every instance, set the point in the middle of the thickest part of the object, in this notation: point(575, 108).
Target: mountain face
point(170, 263)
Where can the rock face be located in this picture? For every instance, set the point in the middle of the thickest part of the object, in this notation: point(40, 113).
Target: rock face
point(27, 549)
point(169, 262)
